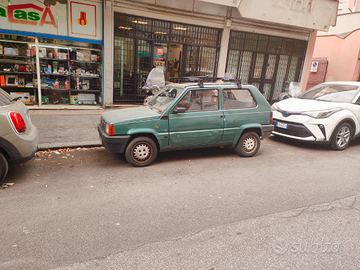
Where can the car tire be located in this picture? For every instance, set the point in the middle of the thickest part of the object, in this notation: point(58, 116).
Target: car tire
point(341, 137)
point(141, 151)
point(4, 167)
point(248, 144)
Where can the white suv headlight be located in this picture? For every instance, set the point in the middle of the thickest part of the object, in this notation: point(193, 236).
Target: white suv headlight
point(322, 114)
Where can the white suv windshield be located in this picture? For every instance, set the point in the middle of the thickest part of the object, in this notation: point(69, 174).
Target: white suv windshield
point(5, 98)
point(165, 98)
point(332, 93)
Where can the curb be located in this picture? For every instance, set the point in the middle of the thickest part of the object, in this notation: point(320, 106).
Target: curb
point(54, 146)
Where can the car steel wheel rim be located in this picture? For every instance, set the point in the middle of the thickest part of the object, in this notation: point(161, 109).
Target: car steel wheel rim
point(142, 152)
point(343, 136)
point(249, 144)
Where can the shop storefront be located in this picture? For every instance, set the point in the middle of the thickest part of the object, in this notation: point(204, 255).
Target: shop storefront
point(267, 62)
point(52, 55)
point(143, 43)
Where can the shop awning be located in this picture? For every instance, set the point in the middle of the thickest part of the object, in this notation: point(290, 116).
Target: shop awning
point(311, 14)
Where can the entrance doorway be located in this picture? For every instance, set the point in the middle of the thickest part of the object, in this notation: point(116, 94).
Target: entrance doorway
point(144, 43)
point(174, 61)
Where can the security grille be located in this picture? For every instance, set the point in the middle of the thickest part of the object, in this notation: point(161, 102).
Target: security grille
point(265, 61)
point(141, 35)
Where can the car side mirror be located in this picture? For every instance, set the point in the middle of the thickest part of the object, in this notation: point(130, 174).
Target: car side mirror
point(179, 110)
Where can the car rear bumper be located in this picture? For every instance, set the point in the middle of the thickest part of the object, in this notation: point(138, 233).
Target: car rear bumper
point(266, 130)
point(20, 147)
point(114, 144)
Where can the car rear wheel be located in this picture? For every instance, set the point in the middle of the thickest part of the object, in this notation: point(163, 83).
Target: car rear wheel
point(4, 167)
point(141, 151)
point(248, 145)
point(341, 137)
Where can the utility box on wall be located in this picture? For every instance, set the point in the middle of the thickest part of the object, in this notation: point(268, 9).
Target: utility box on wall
point(318, 72)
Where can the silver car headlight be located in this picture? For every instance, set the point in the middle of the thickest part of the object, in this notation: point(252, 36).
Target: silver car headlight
point(274, 107)
point(322, 114)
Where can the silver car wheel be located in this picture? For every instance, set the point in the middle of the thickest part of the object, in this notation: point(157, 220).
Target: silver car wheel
point(142, 151)
point(343, 136)
point(249, 144)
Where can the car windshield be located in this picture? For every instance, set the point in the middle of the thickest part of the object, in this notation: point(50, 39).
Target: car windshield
point(332, 93)
point(163, 99)
point(5, 98)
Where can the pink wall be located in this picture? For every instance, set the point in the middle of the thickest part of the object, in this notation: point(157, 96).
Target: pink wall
point(342, 55)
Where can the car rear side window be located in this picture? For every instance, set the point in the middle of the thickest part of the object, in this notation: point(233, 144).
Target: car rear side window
point(200, 100)
point(234, 99)
point(5, 99)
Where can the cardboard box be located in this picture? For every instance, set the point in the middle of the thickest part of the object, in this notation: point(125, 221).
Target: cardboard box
point(74, 99)
point(24, 97)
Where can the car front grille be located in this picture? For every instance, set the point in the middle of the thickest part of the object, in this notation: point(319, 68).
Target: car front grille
point(103, 124)
point(296, 130)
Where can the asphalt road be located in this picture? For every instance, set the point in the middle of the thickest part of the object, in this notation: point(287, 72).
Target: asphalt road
point(84, 206)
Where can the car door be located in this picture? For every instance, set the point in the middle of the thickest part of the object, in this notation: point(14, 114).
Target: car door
point(201, 122)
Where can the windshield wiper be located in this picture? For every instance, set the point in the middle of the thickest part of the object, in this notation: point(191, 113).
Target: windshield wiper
point(153, 107)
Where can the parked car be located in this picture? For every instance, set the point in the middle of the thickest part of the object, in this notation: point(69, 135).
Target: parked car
point(189, 115)
point(18, 136)
point(328, 113)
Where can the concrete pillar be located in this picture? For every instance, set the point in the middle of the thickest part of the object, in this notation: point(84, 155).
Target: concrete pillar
point(108, 52)
point(224, 46)
point(308, 60)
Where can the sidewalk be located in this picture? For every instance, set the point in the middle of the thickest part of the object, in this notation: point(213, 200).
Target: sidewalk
point(67, 127)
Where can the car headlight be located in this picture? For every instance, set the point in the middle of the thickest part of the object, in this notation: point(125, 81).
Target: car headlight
point(274, 107)
point(322, 114)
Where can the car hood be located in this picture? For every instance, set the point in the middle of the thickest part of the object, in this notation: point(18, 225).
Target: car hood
point(304, 105)
point(130, 114)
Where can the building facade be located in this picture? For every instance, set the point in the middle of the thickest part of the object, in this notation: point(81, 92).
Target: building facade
point(336, 53)
point(265, 44)
point(100, 52)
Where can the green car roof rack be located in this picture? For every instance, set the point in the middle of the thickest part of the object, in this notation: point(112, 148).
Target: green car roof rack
point(201, 79)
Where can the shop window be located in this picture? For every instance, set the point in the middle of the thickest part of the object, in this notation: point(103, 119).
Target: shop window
point(70, 71)
point(238, 99)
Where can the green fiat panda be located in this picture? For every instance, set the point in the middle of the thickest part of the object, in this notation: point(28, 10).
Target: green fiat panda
point(189, 114)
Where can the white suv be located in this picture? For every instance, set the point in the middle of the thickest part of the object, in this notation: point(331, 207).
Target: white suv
point(18, 136)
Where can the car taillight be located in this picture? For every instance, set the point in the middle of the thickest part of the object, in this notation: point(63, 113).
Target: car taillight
point(271, 117)
point(18, 122)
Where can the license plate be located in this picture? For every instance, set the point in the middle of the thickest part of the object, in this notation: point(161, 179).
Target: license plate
point(282, 125)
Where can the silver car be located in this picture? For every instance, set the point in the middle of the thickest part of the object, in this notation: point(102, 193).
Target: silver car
point(18, 136)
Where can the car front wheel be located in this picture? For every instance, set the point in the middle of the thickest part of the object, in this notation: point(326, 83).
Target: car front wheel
point(248, 144)
point(141, 151)
point(341, 137)
point(3, 168)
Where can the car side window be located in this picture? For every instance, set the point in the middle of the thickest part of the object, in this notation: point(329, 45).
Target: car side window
point(234, 99)
point(200, 100)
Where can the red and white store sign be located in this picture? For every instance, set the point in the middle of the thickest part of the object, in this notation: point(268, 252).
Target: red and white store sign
point(51, 17)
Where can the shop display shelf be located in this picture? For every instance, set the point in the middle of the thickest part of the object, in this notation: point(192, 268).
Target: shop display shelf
point(81, 90)
point(86, 76)
point(54, 59)
point(54, 74)
point(17, 72)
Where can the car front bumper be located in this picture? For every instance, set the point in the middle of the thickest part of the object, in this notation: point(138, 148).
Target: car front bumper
point(114, 144)
point(302, 128)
